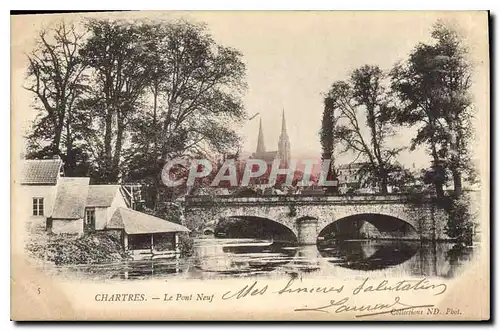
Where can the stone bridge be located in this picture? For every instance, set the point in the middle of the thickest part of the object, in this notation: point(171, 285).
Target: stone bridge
point(307, 216)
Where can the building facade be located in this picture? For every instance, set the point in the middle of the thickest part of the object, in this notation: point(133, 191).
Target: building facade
point(70, 205)
point(38, 181)
point(350, 177)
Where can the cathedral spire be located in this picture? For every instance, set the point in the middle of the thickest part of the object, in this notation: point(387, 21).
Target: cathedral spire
point(283, 124)
point(284, 143)
point(261, 148)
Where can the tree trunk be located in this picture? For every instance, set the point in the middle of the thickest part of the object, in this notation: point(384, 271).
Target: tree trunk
point(118, 149)
point(70, 161)
point(332, 174)
point(383, 181)
point(437, 185)
point(155, 103)
point(56, 142)
point(457, 182)
point(439, 190)
point(155, 120)
point(107, 146)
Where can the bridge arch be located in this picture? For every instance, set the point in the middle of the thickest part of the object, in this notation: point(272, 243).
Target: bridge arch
point(202, 212)
point(368, 225)
point(248, 225)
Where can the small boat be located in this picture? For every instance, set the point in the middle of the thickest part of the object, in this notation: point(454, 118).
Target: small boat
point(260, 243)
point(144, 254)
point(236, 242)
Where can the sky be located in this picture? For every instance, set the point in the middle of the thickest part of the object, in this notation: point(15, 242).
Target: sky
point(293, 57)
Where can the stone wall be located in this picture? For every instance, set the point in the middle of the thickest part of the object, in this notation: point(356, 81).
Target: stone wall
point(427, 220)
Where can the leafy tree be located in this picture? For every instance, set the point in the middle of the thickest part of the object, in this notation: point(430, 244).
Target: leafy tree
point(196, 87)
point(56, 77)
point(328, 143)
point(433, 86)
point(459, 225)
point(364, 94)
point(116, 53)
point(454, 99)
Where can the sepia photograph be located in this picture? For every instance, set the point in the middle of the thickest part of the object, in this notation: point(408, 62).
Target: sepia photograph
point(250, 165)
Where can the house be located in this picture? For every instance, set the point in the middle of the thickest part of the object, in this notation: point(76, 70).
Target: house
point(37, 190)
point(102, 201)
point(70, 205)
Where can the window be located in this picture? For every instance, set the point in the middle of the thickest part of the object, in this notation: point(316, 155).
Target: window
point(90, 218)
point(37, 206)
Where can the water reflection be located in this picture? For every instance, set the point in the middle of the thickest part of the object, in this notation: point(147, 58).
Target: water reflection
point(369, 254)
point(240, 257)
point(218, 258)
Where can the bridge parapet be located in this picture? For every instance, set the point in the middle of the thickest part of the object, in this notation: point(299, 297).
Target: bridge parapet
point(302, 199)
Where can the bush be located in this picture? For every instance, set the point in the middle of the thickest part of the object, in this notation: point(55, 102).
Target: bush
point(186, 244)
point(70, 249)
point(459, 225)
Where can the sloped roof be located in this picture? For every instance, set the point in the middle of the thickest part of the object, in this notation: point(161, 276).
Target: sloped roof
point(40, 171)
point(101, 195)
point(71, 198)
point(266, 156)
point(134, 222)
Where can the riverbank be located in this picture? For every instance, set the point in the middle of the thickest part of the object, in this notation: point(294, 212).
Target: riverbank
point(99, 247)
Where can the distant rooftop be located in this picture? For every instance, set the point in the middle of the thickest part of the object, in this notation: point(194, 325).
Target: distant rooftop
point(41, 172)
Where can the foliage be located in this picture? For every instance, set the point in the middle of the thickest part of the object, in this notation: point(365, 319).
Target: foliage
point(328, 142)
point(55, 75)
point(195, 90)
point(68, 249)
point(116, 55)
point(363, 94)
point(433, 87)
point(125, 97)
point(459, 225)
point(186, 245)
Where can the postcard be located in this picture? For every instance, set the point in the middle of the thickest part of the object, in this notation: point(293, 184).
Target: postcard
point(250, 165)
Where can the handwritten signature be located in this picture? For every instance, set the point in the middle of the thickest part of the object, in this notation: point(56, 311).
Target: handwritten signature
point(342, 305)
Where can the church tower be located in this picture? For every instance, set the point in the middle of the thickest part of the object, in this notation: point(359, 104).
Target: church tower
point(261, 148)
point(284, 144)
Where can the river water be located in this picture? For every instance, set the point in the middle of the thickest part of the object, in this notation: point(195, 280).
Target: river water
point(219, 258)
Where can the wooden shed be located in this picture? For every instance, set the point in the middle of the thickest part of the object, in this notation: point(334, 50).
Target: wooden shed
point(145, 233)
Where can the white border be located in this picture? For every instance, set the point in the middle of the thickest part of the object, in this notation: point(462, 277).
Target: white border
point(202, 5)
